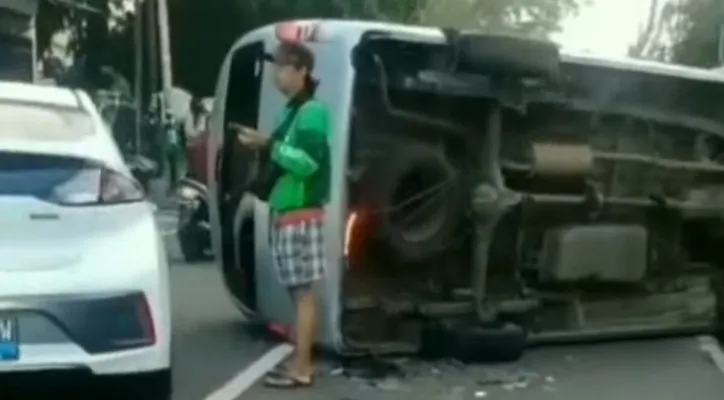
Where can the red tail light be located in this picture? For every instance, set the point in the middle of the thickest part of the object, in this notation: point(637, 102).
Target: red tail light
point(98, 186)
point(357, 233)
point(65, 180)
point(117, 188)
point(146, 317)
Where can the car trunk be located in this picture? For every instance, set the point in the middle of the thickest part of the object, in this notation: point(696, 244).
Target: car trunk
point(49, 210)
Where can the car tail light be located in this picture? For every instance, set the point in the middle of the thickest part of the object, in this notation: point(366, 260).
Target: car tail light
point(98, 186)
point(117, 188)
point(65, 180)
point(356, 234)
point(146, 318)
point(349, 231)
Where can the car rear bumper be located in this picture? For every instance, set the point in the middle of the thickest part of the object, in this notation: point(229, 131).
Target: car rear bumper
point(61, 358)
point(82, 383)
point(110, 333)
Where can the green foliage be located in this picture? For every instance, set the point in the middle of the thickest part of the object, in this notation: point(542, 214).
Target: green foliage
point(681, 31)
point(695, 32)
point(201, 33)
point(101, 35)
point(524, 17)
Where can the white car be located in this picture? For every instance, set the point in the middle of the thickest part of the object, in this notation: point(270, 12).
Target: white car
point(84, 279)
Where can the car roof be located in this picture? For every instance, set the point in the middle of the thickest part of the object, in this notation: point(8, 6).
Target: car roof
point(46, 95)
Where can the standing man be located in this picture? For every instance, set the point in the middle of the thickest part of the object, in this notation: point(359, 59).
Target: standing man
point(173, 148)
point(299, 150)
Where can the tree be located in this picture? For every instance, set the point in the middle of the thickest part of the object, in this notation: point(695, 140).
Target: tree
point(202, 33)
point(683, 32)
point(651, 42)
point(101, 36)
point(538, 18)
point(694, 31)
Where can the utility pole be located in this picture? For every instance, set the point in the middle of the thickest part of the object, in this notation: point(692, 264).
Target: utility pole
point(152, 50)
point(138, 72)
point(721, 44)
point(165, 49)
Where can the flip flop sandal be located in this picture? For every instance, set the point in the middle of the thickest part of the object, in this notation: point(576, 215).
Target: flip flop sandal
point(282, 368)
point(284, 380)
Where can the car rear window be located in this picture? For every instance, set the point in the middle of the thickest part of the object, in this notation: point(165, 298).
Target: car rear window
point(47, 177)
point(31, 121)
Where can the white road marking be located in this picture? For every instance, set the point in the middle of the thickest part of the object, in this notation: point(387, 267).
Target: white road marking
point(710, 346)
point(246, 378)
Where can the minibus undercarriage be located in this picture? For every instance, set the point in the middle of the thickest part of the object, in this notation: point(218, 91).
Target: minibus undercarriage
point(500, 201)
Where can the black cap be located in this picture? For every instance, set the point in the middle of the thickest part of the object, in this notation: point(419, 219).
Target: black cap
point(292, 53)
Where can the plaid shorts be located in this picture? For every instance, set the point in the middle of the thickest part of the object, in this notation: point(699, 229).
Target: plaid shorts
point(298, 251)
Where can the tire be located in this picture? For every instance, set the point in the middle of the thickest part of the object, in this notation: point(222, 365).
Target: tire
point(156, 386)
point(194, 241)
point(474, 341)
point(161, 387)
point(192, 246)
point(718, 287)
point(438, 227)
point(507, 55)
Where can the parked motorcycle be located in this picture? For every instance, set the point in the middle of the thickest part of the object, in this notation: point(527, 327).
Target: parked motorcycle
point(193, 220)
point(193, 232)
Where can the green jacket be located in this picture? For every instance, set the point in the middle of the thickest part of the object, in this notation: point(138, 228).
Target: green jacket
point(303, 155)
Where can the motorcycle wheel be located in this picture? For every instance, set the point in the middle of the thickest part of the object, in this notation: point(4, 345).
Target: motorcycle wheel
point(192, 247)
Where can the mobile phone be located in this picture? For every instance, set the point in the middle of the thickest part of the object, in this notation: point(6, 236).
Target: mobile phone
point(237, 126)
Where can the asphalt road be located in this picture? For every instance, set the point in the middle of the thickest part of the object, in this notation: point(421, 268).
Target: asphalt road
point(662, 370)
point(210, 339)
point(213, 346)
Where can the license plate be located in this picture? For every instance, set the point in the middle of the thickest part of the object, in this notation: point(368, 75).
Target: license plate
point(9, 344)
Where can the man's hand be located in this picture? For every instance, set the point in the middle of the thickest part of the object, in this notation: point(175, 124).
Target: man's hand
point(250, 138)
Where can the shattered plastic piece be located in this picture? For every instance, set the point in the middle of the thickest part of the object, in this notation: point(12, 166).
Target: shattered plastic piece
point(458, 393)
point(548, 388)
point(529, 375)
point(336, 371)
point(372, 369)
point(389, 384)
point(521, 384)
point(516, 385)
point(455, 363)
point(480, 394)
point(550, 379)
point(500, 377)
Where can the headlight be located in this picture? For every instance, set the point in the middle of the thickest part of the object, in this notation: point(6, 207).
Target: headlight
point(187, 193)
